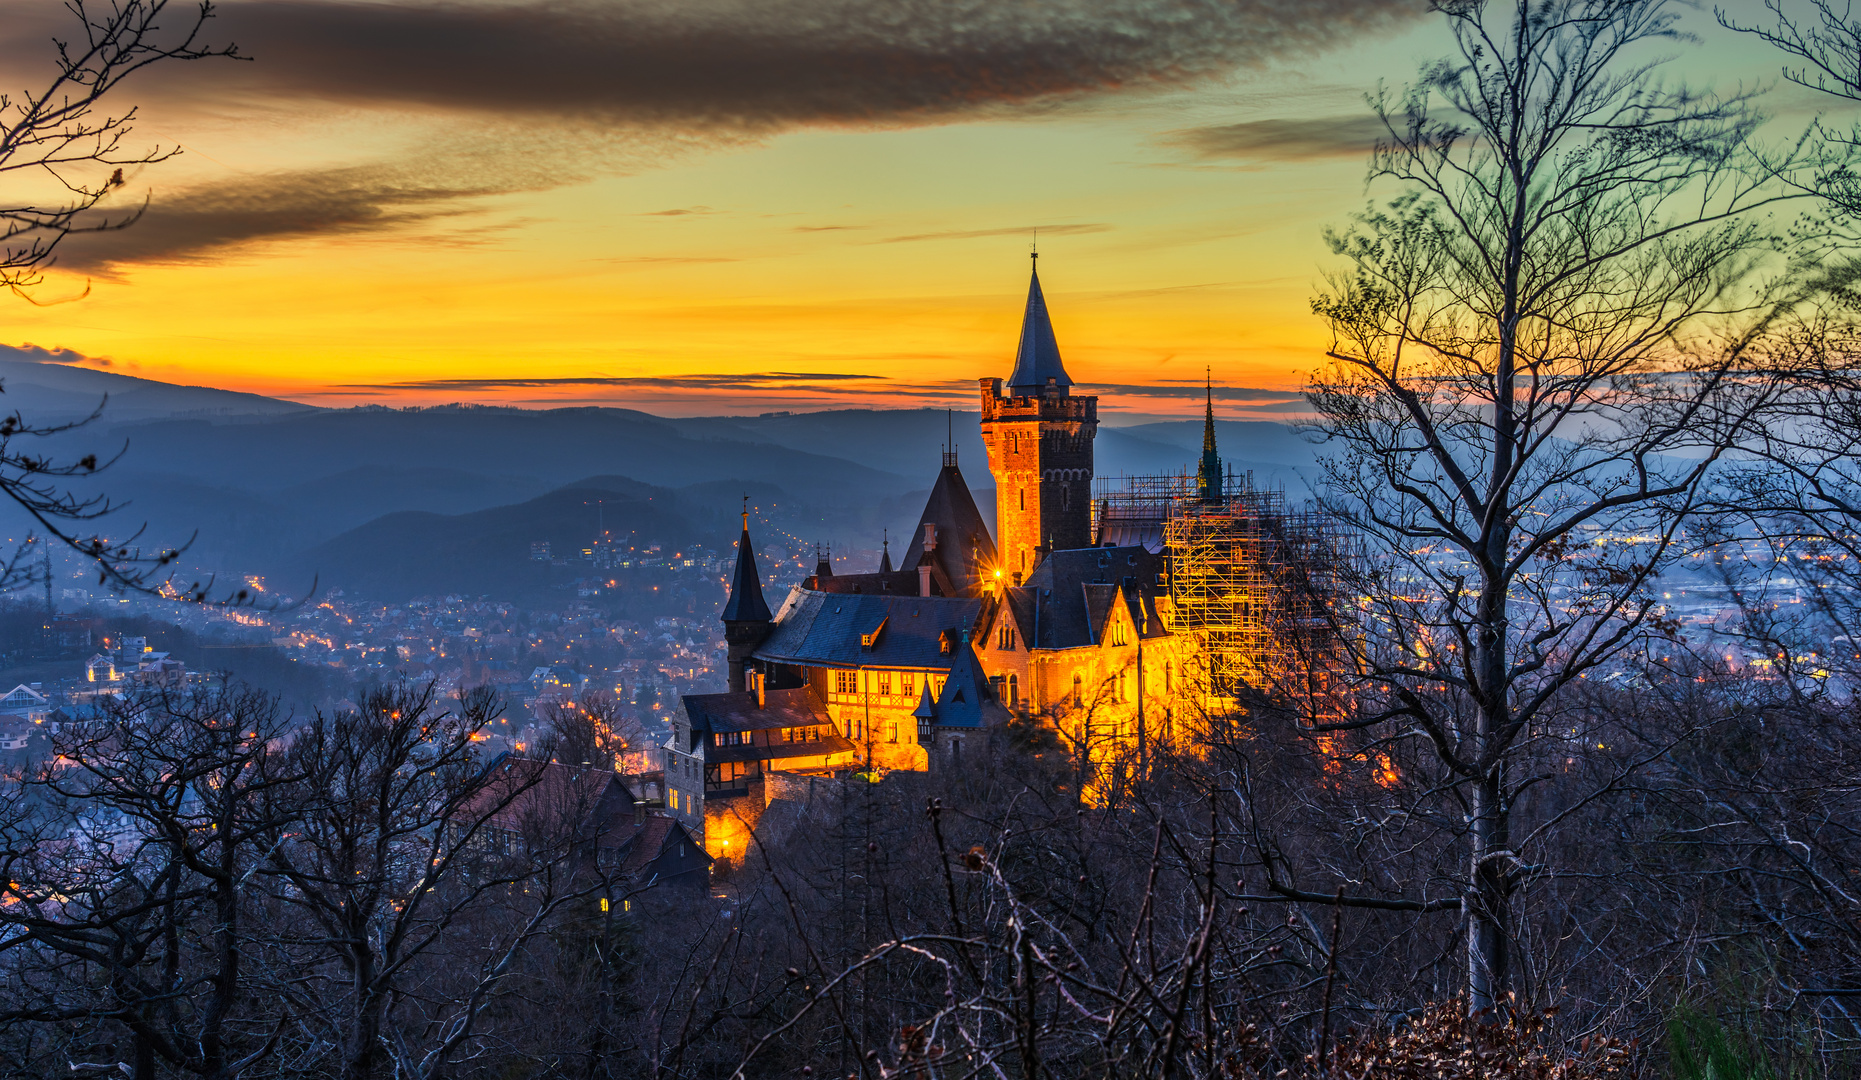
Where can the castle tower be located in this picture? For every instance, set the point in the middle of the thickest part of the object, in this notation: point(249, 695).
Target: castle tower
point(746, 615)
point(1039, 439)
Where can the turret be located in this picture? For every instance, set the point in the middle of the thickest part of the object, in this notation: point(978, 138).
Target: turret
point(1208, 474)
point(746, 615)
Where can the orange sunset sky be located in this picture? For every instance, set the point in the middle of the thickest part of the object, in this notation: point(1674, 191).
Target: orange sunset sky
point(716, 207)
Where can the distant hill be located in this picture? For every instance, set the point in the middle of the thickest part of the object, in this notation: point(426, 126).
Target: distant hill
point(555, 445)
point(906, 441)
point(417, 553)
point(44, 392)
point(274, 487)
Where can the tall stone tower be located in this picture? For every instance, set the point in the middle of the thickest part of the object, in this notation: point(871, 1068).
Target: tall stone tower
point(1040, 448)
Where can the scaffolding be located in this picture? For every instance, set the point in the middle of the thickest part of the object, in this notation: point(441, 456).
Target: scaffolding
point(1250, 580)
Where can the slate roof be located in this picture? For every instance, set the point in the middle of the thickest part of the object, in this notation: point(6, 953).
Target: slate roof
point(584, 798)
point(746, 603)
point(1074, 591)
point(1037, 357)
point(738, 712)
point(594, 804)
point(964, 546)
point(965, 692)
point(818, 629)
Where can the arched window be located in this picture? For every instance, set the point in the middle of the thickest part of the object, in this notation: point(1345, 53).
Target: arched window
point(1014, 691)
point(1079, 696)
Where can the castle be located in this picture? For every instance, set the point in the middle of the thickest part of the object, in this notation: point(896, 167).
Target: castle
point(1066, 617)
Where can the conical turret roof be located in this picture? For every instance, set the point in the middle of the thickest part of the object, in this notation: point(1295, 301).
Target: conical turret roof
point(1208, 474)
point(746, 603)
point(1037, 359)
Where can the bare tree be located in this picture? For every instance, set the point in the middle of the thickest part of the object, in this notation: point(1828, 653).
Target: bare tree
point(1538, 364)
point(391, 876)
point(592, 730)
point(128, 868)
point(63, 150)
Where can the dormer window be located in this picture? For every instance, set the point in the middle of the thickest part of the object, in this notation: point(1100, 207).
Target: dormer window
point(946, 643)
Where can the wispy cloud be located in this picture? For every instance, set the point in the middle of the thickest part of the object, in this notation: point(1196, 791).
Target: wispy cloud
point(1183, 388)
point(1308, 139)
point(1017, 230)
point(733, 381)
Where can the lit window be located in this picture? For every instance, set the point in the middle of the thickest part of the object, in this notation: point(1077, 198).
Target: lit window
point(907, 684)
point(846, 682)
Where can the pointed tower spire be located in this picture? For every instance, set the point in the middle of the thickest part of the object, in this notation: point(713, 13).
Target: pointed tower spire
point(746, 602)
point(746, 614)
point(885, 559)
point(1208, 475)
point(1037, 359)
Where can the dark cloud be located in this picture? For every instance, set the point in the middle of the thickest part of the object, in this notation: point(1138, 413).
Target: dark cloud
point(26, 350)
point(580, 79)
point(1283, 140)
point(786, 379)
point(759, 64)
point(197, 223)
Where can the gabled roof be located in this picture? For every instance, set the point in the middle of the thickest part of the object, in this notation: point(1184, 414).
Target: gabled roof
point(819, 629)
point(584, 799)
point(1069, 596)
point(966, 693)
point(1037, 358)
point(964, 549)
point(1099, 598)
point(746, 603)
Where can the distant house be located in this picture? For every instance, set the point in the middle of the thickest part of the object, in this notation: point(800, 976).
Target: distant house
point(15, 733)
point(609, 829)
point(100, 669)
point(160, 669)
point(25, 703)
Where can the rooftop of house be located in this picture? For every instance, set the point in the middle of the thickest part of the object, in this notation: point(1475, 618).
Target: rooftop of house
point(1067, 601)
point(838, 630)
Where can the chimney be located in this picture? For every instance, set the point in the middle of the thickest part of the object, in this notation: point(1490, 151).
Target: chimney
point(930, 536)
point(924, 574)
point(761, 681)
point(639, 811)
